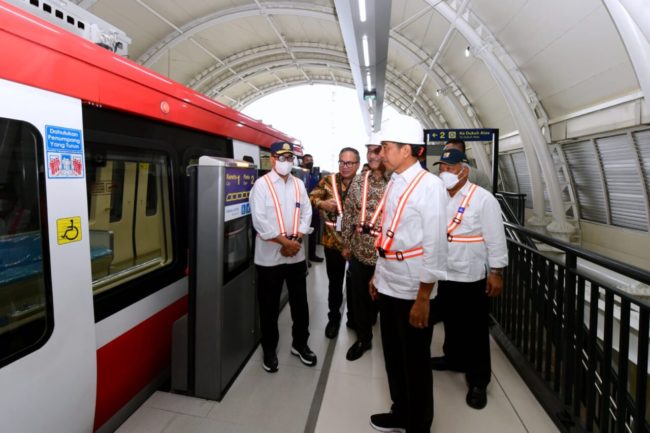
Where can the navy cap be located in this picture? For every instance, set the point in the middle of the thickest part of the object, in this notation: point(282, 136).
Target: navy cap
point(452, 157)
point(281, 147)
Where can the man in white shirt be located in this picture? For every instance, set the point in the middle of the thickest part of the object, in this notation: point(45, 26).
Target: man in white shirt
point(477, 256)
point(412, 250)
point(281, 216)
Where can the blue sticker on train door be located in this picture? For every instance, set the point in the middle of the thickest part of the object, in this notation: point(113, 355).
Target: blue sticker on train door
point(64, 148)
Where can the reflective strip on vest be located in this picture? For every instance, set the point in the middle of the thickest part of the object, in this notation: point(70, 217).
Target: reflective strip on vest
point(401, 204)
point(278, 208)
point(458, 218)
point(403, 255)
point(364, 201)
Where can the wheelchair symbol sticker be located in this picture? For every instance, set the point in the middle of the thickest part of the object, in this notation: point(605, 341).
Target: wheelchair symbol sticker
point(68, 230)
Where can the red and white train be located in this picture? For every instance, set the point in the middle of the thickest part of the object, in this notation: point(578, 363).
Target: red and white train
point(93, 239)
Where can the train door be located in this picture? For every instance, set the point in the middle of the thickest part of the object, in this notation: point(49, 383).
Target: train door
point(47, 329)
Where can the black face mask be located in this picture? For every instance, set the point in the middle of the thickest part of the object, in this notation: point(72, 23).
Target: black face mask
point(309, 165)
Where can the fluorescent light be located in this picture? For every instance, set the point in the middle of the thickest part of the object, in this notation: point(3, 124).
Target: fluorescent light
point(467, 52)
point(369, 81)
point(366, 55)
point(362, 10)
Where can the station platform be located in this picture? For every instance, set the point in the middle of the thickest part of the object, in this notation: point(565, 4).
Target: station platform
point(337, 396)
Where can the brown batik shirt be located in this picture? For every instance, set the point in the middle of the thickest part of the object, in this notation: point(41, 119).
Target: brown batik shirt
point(362, 245)
point(322, 192)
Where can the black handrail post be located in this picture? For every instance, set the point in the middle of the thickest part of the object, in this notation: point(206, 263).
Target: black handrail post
point(495, 160)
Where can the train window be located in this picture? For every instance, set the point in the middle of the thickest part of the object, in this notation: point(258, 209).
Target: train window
point(152, 190)
point(25, 295)
point(130, 216)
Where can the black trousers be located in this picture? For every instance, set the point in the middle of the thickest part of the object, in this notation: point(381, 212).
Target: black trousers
point(365, 309)
point(335, 265)
point(465, 310)
point(269, 287)
point(407, 354)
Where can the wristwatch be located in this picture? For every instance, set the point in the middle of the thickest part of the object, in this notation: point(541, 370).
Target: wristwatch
point(497, 271)
point(299, 239)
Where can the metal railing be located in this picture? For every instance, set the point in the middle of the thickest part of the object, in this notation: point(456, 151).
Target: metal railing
point(516, 202)
point(581, 346)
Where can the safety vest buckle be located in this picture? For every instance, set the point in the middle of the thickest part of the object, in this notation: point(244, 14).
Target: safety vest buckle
point(399, 255)
point(390, 233)
point(382, 252)
point(456, 220)
point(450, 238)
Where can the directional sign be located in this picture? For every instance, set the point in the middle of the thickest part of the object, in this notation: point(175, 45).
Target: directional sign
point(459, 134)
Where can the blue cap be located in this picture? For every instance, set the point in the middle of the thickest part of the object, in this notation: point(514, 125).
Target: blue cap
point(281, 147)
point(452, 157)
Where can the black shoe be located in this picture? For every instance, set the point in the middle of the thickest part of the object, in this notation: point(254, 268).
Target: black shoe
point(309, 264)
point(476, 397)
point(316, 259)
point(270, 363)
point(440, 363)
point(332, 329)
point(387, 422)
point(305, 354)
point(356, 350)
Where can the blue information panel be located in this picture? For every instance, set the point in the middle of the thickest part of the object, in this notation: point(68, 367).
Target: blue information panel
point(459, 134)
point(239, 182)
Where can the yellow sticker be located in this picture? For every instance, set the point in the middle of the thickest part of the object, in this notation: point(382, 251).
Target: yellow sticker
point(68, 230)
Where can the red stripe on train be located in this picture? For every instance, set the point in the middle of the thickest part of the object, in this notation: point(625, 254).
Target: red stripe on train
point(133, 360)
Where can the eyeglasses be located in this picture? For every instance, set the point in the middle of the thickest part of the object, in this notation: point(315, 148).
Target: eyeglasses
point(347, 163)
point(283, 158)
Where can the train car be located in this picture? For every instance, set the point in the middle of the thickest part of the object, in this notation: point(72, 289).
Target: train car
point(93, 239)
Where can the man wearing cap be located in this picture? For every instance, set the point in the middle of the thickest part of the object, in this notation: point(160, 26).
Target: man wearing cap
point(281, 216)
point(412, 258)
point(360, 225)
point(477, 256)
point(329, 197)
point(477, 176)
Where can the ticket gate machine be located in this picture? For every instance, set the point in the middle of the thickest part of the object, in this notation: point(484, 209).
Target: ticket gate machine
point(222, 327)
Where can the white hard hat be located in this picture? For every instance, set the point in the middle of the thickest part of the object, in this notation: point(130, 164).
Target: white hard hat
point(374, 139)
point(405, 130)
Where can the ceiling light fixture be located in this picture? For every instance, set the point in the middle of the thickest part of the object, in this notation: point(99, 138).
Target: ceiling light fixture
point(369, 81)
point(366, 54)
point(362, 11)
point(467, 52)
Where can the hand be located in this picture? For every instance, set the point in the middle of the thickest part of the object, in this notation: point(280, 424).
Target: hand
point(494, 285)
point(346, 253)
point(290, 248)
point(328, 205)
point(374, 294)
point(419, 316)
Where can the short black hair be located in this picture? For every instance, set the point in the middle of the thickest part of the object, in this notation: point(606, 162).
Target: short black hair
point(350, 149)
point(417, 150)
point(307, 155)
point(457, 142)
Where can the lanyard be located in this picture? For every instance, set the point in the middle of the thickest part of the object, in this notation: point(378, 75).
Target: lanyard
point(401, 204)
point(364, 201)
point(278, 208)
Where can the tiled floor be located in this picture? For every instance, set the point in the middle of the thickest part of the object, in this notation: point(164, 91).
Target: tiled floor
point(259, 402)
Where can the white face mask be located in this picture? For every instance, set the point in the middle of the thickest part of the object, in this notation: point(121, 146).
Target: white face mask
point(449, 179)
point(283, 168)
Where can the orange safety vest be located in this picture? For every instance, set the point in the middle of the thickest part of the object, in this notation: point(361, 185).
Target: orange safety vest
point(383, 245)
point(375, 215)
point(278, 208)
point(458, 218)
point(339, 207)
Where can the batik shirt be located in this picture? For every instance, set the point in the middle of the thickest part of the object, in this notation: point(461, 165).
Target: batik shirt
point(322, 192)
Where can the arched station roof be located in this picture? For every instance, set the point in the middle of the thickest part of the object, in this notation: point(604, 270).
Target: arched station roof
point(563, 57)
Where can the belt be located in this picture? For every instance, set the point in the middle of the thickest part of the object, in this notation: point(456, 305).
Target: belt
point(400, 255)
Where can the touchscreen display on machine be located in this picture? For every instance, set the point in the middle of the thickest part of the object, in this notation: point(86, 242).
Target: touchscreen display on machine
point(237, 237)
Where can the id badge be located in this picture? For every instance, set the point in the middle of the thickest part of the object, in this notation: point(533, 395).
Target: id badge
point(339, 219)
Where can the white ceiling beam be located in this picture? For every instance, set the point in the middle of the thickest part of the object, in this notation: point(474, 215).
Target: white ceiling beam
point(635, 38)
point(536, 149)
point(639, 11)
point(365, 35)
